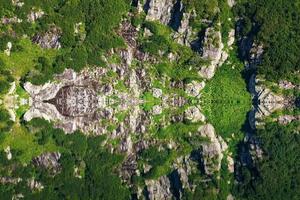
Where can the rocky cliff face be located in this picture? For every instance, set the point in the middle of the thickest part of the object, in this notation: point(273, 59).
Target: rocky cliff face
point(160, 10)
point(212, 151)
point(212, 51)
point(116, 100)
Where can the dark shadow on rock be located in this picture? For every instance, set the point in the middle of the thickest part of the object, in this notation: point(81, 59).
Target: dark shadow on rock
point(134, 3)
point(197, 44)
point(147, 6)
point(176, 185)
point(196, 156)
point(176, 17)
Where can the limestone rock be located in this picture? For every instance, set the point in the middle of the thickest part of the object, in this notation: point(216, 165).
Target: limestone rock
point(286, 85)
point(159, 189)
point(8, 49)
point(157, 110)
point(157, 93)
point(255, 55)
point(48, 161)
point(8, 153)
point(212, 51)
point(35, 185)
point(193, 113)
point(12, 20)
point(213, 150)
point(286, 119)
point(184, 33)
point(231, 37)
point(17, 3)
point(230, 164)
point(231, 3)
point(49, 40)
point(160, 10)
point(34, 15)
point(194, 88)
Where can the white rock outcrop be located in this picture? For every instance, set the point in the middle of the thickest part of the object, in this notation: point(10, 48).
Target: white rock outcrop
point(159, 189)
point(160, 10)
point(212, 51)
point(194, 114)
point(212, 150)
point(193, 89)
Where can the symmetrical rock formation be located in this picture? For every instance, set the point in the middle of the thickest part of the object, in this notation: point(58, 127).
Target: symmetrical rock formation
point(266, 101)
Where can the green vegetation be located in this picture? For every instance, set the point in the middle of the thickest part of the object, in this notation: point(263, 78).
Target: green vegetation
point(24, 60)
point(95, 36)
point(275, 24)
point(225, 99)
point(159, 145)
point(278, 177)
point(5, 122)
point(79, 151)
point(5, 79)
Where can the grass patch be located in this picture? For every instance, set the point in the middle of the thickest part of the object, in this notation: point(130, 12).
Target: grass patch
point(23, 60)
point(225, 99)
point(25, 144)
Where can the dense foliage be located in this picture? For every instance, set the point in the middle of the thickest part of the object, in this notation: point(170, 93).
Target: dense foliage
point(275, 24)
point(278, 171)
point(226, 100)
point(95, 34)
point(95, 168)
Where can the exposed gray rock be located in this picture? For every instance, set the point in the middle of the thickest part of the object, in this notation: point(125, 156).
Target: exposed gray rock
point(194, 114)
point(10, 180)
point(160, 10)
point(212, 51)
point(213, 150)
point(49, 40)
point(184, 168)
point(231, 3)
point(157, 110)
point(12, 20)
point(184, 34)
point(286, 119)
point(34, 15)
point(231, 37)
point(17, 3)
point(157, 93)
point(256, 54)
point(49, 161)
point(230, 164)
point(194, 88)
point(8, 49)
point(286, 85)
point(8, 153)
point(35, 185)
point(159, 189)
